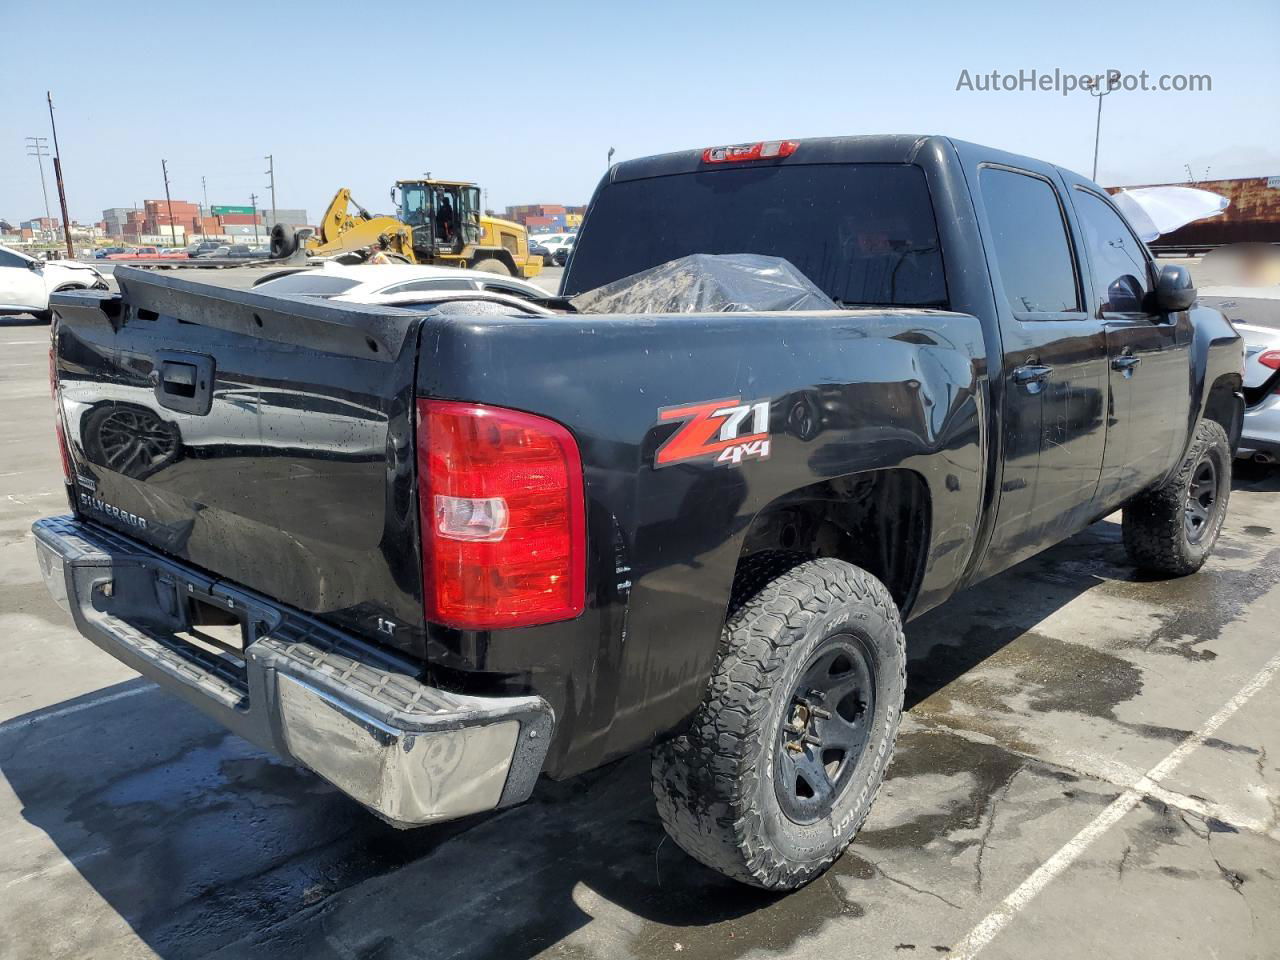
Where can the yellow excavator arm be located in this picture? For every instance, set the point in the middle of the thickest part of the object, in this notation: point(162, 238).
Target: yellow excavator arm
point(342, 231)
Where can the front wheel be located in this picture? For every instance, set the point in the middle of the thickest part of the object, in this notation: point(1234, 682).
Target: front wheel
point(782, 761)
point(492, 265)
point(1172, 529)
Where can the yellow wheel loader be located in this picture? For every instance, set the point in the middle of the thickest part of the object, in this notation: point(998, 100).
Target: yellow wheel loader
point(439, 222)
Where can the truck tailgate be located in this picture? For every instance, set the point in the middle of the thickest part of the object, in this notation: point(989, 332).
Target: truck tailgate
point(266, 440)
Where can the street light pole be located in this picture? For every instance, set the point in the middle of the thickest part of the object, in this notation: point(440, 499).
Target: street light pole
point(609, 160)
point(1095, 90)
point(57, 175)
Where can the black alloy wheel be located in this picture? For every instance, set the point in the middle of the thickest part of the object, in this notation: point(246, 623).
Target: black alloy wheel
point(825, 729)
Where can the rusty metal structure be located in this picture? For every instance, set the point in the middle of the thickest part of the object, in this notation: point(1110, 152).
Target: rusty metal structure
point(1252, 217)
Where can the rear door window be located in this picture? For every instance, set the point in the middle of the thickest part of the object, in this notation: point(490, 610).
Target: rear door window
point(1031, 242)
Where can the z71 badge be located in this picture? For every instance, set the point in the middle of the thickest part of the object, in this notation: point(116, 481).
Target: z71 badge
point(726, 431)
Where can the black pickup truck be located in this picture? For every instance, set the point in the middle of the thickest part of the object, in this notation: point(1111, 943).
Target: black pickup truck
point(432, 554)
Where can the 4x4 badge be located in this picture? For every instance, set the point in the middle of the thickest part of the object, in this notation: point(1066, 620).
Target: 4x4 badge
point(726, 431)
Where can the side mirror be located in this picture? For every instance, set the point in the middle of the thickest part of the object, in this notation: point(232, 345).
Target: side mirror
point(34, 266)
point(1174, 289)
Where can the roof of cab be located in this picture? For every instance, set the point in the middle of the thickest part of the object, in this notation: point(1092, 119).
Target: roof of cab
point(877, 148)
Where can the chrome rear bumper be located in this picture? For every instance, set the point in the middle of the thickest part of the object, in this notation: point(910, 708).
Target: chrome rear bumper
point(351, 712)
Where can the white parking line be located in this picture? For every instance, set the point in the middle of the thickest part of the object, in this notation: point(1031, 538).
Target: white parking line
point(16, 343)
point(30, 720)
point(999, 918)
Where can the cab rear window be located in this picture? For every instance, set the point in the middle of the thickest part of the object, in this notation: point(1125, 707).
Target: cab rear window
point(864, 233)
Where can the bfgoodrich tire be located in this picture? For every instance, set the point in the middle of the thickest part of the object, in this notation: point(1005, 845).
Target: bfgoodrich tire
point(1172, 529)
point(785, 756)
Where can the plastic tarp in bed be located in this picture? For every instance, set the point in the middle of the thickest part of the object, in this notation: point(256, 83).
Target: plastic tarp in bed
point(708, 283)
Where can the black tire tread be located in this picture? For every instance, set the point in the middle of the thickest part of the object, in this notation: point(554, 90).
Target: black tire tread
point(1152, 526)
point(705, 780)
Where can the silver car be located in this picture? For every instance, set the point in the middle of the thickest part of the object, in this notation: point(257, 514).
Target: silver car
point(1255, 312)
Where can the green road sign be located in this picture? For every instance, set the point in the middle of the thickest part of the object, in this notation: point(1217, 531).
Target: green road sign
point(218, 211)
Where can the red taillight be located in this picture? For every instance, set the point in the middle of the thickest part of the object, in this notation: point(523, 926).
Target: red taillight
point(741, 152)
point(63, 452)
point(1270, 358)
point(503, 517)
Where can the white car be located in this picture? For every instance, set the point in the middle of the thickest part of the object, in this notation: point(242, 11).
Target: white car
point(1255, 313)
point(25, 282)
point(381, 283)
point(558, 241)
point(549, 240)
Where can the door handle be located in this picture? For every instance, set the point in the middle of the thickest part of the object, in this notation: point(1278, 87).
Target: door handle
point(1126, 362)
point(183, 381)
point(1031, 373)
point(178, 378)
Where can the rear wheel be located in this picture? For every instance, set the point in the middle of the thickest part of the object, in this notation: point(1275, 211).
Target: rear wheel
point(1172, 529)
point(492, 265)
point(782, 761)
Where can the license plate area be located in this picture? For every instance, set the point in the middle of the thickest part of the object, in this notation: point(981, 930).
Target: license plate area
point(198, 618)
point(215, 629)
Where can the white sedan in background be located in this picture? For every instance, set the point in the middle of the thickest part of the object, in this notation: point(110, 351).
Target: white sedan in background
point(25, 282)
point(387, 283)
point(1255, 313)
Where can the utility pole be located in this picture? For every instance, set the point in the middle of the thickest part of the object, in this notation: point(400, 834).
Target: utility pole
point(36, 148)
point(57, 175)
point(271, 172)
point(173, 227)
point(253, 201)
point(204, 189)
point(609, 160)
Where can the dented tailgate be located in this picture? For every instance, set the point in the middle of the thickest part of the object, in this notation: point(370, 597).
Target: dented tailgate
point(266, 440)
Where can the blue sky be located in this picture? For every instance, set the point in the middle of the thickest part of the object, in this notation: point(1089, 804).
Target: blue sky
point(528, 100)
